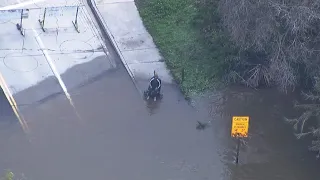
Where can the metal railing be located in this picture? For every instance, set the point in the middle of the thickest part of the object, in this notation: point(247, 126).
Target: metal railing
point(21, 14)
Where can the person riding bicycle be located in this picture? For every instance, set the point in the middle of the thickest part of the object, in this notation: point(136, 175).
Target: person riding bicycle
point(155, 83)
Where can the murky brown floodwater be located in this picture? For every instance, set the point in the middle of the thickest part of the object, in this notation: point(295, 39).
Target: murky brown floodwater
point(116, 136)
point(271, 151)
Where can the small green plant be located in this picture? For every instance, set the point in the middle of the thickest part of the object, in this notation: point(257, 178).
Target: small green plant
point(8, 175)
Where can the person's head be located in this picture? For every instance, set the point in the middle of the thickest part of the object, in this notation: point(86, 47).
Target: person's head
point(155, 74)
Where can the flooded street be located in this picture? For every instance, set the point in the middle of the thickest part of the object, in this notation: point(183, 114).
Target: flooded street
point(271, 151)
point(116, 136)
point(105, 130)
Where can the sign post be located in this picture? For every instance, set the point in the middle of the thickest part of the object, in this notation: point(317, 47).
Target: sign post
point(238, 150)
point(240, 128)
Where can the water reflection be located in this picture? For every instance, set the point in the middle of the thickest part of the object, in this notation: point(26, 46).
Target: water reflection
point(153, 106)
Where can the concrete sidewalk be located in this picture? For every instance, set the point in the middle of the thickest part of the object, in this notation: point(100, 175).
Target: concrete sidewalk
point(33, 66)
point(40, 55)
point(121, 21)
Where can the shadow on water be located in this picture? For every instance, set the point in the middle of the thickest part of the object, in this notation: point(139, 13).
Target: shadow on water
point(76, 77)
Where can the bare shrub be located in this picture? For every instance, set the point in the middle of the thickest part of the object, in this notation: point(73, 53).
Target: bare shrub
point(311, 113)
point(285, 31)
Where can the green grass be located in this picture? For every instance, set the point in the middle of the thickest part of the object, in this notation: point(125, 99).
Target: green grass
point(189, 38)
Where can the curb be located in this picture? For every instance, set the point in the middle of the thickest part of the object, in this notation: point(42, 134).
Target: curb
point(106, 32)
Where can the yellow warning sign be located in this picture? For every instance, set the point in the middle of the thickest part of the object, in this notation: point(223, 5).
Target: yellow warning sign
point(240, 126)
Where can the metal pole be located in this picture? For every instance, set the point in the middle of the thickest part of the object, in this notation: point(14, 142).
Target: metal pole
point(19, 26)
point(75, 23)
point(43, 19)
point(238, 149)
point(21, 19)
point(44, 16)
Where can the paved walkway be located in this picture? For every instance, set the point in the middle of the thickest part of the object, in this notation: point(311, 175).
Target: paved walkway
point(137, 50)
point(43, 57)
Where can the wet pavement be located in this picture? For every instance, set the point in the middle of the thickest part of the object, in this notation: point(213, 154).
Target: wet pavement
point(109, 132)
